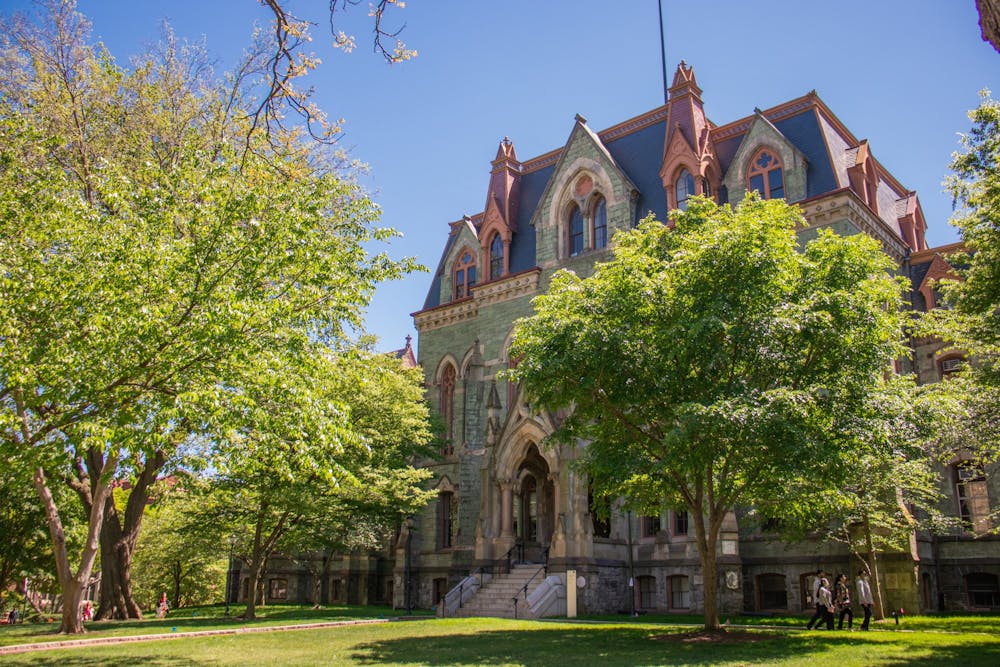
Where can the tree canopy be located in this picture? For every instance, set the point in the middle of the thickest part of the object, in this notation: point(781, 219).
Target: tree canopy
point(713, 362)
point(163, 267)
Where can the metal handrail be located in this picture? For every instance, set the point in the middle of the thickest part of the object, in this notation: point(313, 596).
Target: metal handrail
point(524, 589)
point(461, 589)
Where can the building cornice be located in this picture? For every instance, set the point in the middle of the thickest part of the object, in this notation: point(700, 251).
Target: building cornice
point(514, 286)
point(845, 203)
point(943, 250)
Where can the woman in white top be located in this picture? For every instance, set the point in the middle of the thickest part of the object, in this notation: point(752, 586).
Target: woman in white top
point(865, 598)
point(826, 600)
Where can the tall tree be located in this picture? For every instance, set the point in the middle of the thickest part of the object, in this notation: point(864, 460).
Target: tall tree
point(975, 186)
point(305, 453)
point(971, 321)
point(890, 490)
point(189, 565)
point(708, 362)
point(149, 260)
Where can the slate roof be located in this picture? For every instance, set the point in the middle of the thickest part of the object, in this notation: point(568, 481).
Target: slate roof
point(639, 153)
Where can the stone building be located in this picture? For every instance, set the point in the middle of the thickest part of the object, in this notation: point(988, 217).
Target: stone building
point(503, 494)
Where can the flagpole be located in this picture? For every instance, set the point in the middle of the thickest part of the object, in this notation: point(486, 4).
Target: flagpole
point(663, 51)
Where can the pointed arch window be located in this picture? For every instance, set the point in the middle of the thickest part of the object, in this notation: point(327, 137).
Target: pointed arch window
point(446, 519)
point(496, 257)
point(446, 407)
point(765, 175)
point(465, 275)
point(600, 223)
point(684, 188)
point(575, 232)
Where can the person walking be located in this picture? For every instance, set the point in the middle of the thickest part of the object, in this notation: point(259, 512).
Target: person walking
point(818, 615)
point(162, 607)
point(843, 602)
point(865, 598)
point(826, 599)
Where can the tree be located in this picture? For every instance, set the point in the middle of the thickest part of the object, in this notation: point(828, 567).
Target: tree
point(286, 63)
point(970, 319)
point(154, 252)
point(189, 565)
point(318, 460)
point(975, 186)
point(709, 362)
point(24, 551)
point(891, 488)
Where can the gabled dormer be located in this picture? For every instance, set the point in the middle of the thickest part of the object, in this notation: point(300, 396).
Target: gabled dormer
point(690, 165)
point(862, 172)
point(460, 266)
point(912, 225)
point(939, 270)
point(768, 162)
point(588, 198)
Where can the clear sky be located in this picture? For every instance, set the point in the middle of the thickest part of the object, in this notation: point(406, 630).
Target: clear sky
point(901, 73)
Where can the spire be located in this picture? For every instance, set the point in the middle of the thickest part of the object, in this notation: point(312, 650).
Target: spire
point(685, 82)
point(686, 112)
point(688, 144)
point(505, 183)
point(505, 152)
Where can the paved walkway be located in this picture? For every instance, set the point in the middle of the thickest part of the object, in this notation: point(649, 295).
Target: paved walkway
point(121, 639)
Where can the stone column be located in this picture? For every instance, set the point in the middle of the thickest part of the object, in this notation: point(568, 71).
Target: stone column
point(506, 508)
point(557, 506)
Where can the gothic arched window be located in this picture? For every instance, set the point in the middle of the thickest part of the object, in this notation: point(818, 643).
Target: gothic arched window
point(446, 519)
point(446, 406)
point(496, 257)
point(600, 223)
point(765, 175)
point(575, 232)
point(684, 188)
point(465, 275)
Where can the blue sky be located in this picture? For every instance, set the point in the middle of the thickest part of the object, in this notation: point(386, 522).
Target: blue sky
point(901, 73)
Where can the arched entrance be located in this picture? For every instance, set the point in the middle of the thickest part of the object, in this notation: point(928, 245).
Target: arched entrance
point(534, 506)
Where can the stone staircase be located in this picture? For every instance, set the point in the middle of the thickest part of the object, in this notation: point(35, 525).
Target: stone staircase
point(495, 598)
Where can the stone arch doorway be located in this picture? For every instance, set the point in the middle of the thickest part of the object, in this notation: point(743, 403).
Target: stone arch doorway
point(534, 506)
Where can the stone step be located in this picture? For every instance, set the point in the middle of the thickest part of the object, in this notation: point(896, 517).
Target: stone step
point(496, 597)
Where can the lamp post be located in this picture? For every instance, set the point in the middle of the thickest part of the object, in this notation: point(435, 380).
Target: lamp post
point(229, 572)
point(408, 574)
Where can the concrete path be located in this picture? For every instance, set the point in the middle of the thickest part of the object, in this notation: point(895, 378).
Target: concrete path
point(104, 641)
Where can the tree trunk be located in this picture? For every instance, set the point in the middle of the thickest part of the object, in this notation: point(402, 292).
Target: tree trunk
point(73, 585)
point(178, 575)
point(319, 576)
point(317, 589)
point(876, 581)
point(115, 598)
point(707, 540)
point(252, 589)
point(119, 536)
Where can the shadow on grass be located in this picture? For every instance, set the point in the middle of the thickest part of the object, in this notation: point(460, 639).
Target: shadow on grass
point(629, 646)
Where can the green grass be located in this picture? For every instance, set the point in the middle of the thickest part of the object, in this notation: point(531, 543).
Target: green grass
point(534, 644)
point(195, 618)
point(940, 622)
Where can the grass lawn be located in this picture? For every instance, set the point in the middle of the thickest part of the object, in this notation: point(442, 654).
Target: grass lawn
point(196, 618)
point(941, 622)
point(533, 643)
